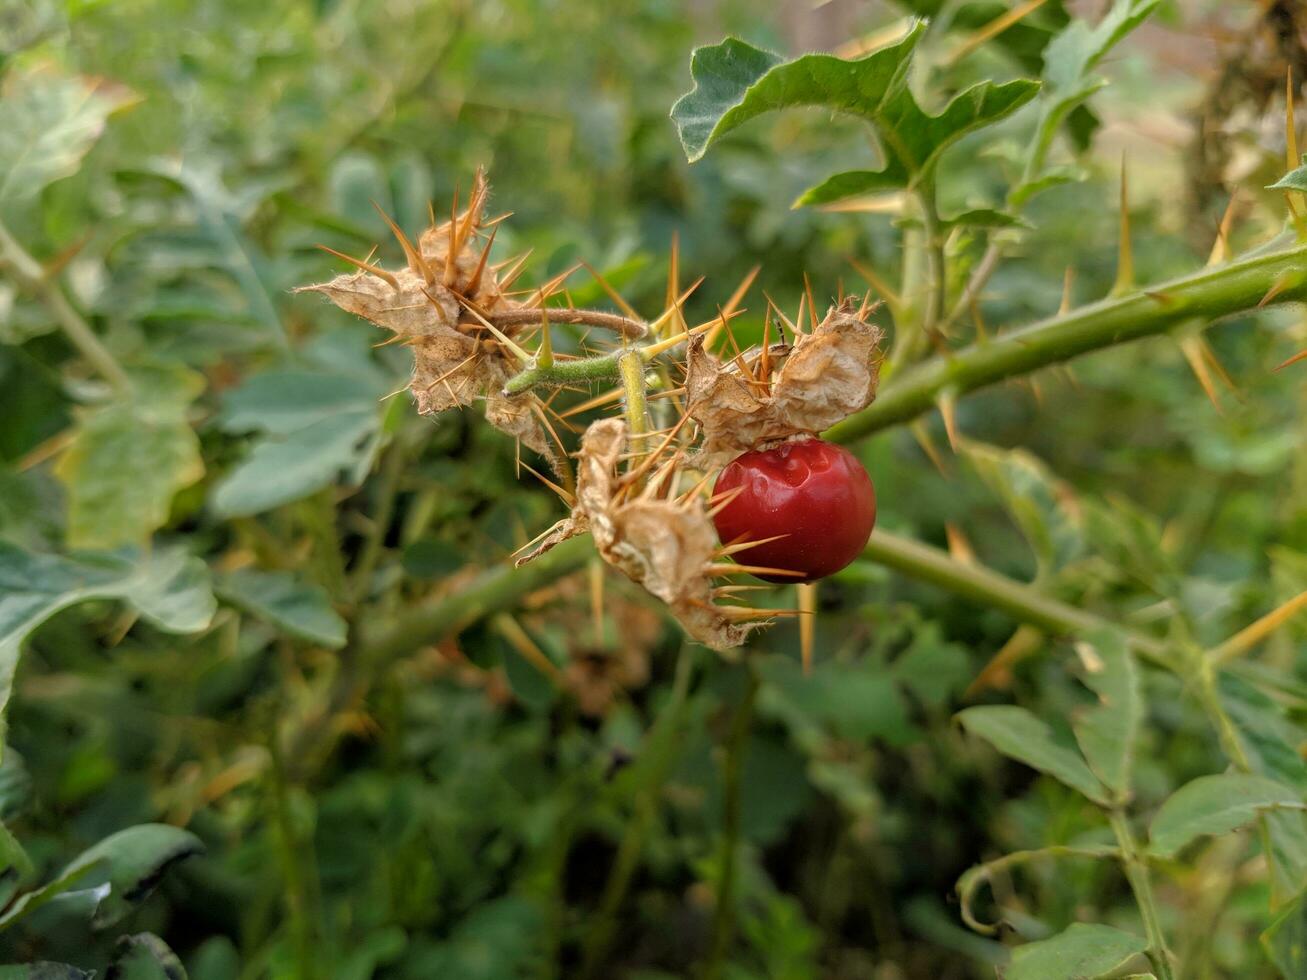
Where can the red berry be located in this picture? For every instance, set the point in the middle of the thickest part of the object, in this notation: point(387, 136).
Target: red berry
point(814, 493)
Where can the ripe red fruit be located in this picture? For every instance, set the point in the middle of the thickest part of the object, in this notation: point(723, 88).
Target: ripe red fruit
point(814, 493)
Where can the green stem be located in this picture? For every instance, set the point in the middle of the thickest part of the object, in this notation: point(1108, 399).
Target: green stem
point(1022, 602)
point(732, 779)
point(1136, 872)
point(599, 938)
point(1212, 293)
point(560, 373)
point(631, 365)
point(392, 470)
point(32, 277)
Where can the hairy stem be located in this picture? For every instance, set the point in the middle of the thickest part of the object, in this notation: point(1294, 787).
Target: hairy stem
point(1136, 872)
point(631, 365)
point(732, 779)
point(1212, 293)
point(560, 373)
point(32, 277)
point(631, 329)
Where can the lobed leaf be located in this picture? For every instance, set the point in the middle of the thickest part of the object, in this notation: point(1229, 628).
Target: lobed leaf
point(1213, 805)
point(168, 587)
point(735, 82)
point(1018, 734)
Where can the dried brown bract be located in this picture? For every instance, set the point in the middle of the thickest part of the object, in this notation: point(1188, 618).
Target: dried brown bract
point(664, 543)
point(450, 306)
point(783, 391)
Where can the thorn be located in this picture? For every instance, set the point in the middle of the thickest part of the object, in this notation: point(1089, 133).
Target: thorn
point(947, 409)
point(563, 495)
point(475, 282)
point(674, 310)
point(1165, 299)
point(719, 501)
point(1300, 356)
point(981, 333)
point(607, 398)
point(688, 498)
point(1125, 266)
point(958, 545)
point(414, 257)
point(992, 29)
point(732, 305)
point(1221, 246)
point(725, 551)
point(1250, 636)
point(1068, 279)
point(876, 282)
point(808, 608)
point(812, 304)
point(510, 277)
point(376, 270)
point(998, 672)
point(1280, 285)
point(613, 294)
point(715, 569)
point(502, 337)
point(652, 350)
point(521, 641)
point(927, 444)
point(794, 331)
point(597, 600)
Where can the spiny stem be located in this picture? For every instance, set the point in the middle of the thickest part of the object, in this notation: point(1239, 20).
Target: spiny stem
point(631, 366)
point(1211, 293)
point(33, 278)
point(631, 329)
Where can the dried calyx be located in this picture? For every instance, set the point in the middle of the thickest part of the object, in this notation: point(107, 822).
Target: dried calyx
point(761, 398)
point(457, 313)
point(660, 537)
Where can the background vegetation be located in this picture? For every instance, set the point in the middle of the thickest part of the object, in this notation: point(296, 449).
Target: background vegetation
point(284, 660)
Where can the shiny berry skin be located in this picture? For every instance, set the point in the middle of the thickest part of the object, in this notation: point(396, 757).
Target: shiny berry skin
point(815, 493)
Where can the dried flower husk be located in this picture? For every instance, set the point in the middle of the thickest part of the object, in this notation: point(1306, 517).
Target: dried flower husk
point(664, 545)
point(823, 378)
point(433, 305)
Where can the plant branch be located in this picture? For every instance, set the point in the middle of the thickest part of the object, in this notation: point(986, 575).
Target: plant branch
point(625, 326)
point(732, 779)
point(1022, 602)
point(1136, 872)
point(1212, 293)
point(32, 277)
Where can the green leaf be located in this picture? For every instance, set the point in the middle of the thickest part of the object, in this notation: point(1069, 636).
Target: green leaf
point(1285, 940)
point(316, 424)
point(1042, 506)
point(145, 956)
point(126, 462)
point(1107, 732)
point(168, 587)
point(1083, 952)
point(294, 606)
point(735, 82)
point(1069, 61)
point(44, 971)
point(1212, 805)
point(130, 863)
point(1270, 741)
point(15, 866)
point(48, 122)
point(1018, 734)
point(1294, 180)
point(280, 470)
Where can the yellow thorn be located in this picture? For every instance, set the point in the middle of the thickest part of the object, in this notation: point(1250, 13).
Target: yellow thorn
point(597, 600)
point(1249, 637)
point(994, 28)
point(607, 398)
point(613, 294)
point(1125, 266)
point(947, 409)
point(927, 444)
point(720, 501)
point(1277, 287)
point(502, 337)
point(376, 270)
point(474, 282)
point(413, 256)
point(1221, 247)
point(1068, 279)
point(563, 495)
point(812, 304)
point(518, 638)
point(807, 607)
point(726, 550)
point(1300, 356)
point(958, 545)
point(545, 352)
point(715, 569)
point(876, 282)
point(998, 672)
